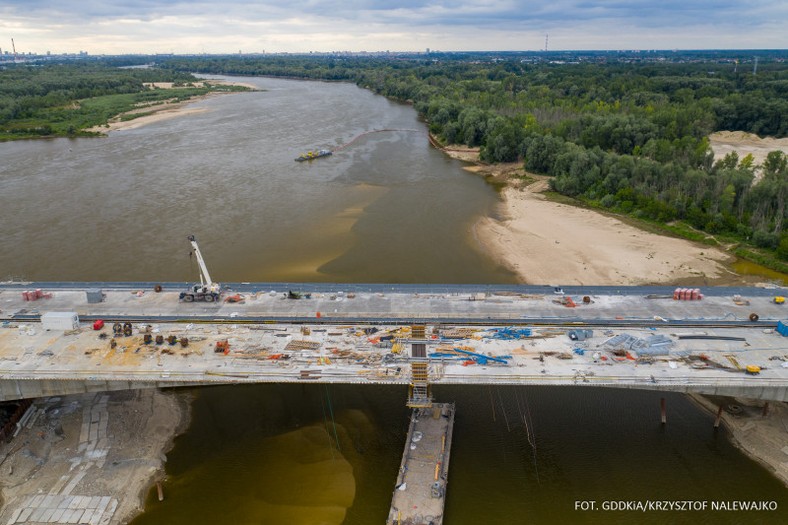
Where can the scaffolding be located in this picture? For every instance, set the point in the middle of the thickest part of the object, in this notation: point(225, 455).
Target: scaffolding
point(419, 394)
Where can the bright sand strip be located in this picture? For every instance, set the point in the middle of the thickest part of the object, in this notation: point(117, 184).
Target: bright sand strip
point(163, 111)
point(549, 243)
point(545, 242)
point(724, 142)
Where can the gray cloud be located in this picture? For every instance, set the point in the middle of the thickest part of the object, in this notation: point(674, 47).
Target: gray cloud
point(185, 26)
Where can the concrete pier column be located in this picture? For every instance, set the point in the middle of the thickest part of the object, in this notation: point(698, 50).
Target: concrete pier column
point(765, 411)
point(718, 418)
point(663, 416)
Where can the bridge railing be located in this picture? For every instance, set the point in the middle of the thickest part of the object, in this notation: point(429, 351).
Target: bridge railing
point(375, 375)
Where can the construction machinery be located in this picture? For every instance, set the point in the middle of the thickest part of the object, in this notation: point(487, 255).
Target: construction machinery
point(779, 299)
point(207, 290)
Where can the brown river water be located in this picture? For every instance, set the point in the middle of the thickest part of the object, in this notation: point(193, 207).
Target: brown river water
point(387, 208)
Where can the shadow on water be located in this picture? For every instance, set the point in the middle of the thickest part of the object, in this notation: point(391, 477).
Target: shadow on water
point(267, 454)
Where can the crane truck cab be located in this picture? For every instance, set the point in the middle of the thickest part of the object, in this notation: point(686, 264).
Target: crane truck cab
point(206, 290)
point(199, 292)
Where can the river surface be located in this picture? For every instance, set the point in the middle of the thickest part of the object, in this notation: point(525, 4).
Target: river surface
point(387, 208)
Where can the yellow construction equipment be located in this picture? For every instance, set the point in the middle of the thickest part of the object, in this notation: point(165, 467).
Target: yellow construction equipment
point(779, 299)
point(752, 370)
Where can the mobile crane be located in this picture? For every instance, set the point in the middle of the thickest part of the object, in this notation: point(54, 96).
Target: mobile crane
point(207, 290)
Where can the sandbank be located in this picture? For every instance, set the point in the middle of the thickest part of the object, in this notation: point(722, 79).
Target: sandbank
point(724, 142)
point(546, 242)
point(165, 110)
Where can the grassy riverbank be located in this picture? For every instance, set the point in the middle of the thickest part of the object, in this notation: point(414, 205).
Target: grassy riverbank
point(62, 100)
point(78, 117)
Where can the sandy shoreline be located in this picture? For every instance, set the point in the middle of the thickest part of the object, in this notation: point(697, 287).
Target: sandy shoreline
point(95, 456)
point(724, 142)
point(546, 242)
point(164, 111)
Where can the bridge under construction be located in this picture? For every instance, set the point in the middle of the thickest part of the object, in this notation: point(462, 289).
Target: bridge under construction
point(68, 338)
point(136, 335)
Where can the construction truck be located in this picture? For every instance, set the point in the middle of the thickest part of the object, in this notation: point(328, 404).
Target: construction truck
point(206, 290)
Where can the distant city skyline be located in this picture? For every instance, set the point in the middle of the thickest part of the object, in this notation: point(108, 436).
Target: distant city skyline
point(256, 26)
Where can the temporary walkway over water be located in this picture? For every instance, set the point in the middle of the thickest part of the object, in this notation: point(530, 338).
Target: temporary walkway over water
point(420, 491)
point(639, 338)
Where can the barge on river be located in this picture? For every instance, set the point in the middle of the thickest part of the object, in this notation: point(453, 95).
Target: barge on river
point(311, 155)
point(420, 492)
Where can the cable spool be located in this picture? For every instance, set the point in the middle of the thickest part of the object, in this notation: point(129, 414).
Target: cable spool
point(754, 317)
point(157, 288)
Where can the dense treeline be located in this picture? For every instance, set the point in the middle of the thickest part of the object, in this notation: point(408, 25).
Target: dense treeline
point(44, 100)
point(628, 137)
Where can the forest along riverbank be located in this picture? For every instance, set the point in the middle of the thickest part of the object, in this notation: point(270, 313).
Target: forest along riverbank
point(546, 242)
point(88, 458)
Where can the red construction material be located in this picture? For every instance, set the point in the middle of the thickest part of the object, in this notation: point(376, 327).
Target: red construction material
point(222, 347)
point(98, 324)
point(676, 294)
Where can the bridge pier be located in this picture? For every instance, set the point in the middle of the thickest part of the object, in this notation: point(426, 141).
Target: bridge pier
point(663, 414)
point(718, 418)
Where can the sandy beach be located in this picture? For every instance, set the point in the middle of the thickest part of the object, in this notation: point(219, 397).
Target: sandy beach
point(545, 242)
point(550, 243)
point(165, 110)
point(724, 142)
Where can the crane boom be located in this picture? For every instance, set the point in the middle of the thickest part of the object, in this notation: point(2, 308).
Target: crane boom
point(205, 277)
point(207, 290)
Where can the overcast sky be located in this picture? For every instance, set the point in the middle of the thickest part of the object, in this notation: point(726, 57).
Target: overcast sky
point(250, 26)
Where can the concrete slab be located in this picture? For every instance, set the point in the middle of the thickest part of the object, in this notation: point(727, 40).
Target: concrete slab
point(342, 352)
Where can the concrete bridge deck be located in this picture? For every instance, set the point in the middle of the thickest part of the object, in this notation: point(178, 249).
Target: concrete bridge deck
point(274, 339)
